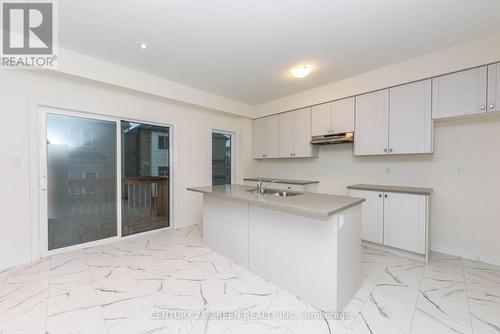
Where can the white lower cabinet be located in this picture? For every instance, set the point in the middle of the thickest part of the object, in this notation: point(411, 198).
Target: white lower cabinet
point(372, 212)
point(405, 217)
point(397, 220)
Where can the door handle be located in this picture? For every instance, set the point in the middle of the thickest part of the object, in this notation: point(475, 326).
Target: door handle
point(43, 182)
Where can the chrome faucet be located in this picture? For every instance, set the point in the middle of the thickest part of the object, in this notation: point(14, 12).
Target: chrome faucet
point(262, 188)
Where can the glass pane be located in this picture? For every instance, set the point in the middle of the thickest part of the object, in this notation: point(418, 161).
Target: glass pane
point(145, 177)
point(81, 166)
point(221, 158)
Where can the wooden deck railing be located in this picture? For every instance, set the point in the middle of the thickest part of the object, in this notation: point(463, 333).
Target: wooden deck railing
point(145, 203)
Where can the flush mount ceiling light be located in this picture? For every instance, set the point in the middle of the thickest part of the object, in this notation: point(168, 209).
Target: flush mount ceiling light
point(143, 46)
point(301, 71)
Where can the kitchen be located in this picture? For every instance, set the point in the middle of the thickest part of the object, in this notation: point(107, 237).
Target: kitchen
point(322, 171)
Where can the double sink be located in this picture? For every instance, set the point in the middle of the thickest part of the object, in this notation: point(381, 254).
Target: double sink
point(276, 192)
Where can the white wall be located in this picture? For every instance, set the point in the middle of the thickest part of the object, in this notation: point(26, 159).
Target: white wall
point(83, 66)
point(465, 210)
point(475, 53)
point(193, 127)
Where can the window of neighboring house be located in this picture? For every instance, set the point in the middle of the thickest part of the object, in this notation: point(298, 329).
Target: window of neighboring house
point(75, 188)
point(79, 187)
point(90, 187)
point(86, 137)
point(163, 171)
point(162, 142)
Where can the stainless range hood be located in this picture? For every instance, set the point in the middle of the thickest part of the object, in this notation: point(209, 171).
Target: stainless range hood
point(338, 138)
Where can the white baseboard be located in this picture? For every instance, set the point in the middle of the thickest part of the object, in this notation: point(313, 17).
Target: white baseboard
point(192, 223)
point(396, 251)
point(466, 254)
point(7, 263)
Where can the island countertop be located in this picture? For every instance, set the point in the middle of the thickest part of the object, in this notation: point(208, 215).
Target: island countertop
point(315, 205)
point(283, 181)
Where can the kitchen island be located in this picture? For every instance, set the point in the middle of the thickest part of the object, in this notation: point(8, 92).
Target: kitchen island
point(306, 243)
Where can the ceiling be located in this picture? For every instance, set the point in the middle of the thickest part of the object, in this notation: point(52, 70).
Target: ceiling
point(243, 49)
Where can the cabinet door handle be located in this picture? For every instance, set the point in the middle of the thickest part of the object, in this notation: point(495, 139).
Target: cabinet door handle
point(492, 106)
point(380, 195)
point(483, 107)
point(390, 150)
point(385, 195)
point(385, 150)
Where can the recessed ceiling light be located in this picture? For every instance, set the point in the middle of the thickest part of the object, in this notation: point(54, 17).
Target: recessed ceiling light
point(301, 71)
point(143, 46)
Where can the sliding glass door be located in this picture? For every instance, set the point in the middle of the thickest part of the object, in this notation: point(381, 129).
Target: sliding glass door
point(100, 178)
point(145, 194)
point(81, 180)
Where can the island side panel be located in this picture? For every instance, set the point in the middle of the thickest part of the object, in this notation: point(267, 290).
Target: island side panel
point(350, 273)
point(298, 254)
point(225, 228)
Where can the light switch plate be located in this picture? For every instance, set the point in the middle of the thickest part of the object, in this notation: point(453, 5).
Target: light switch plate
point(17, 162)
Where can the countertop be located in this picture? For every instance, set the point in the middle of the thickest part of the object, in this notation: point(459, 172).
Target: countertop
point(284, 181)
point(313, 205)
point(394, 189)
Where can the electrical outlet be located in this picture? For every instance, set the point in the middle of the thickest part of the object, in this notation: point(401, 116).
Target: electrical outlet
point(387, 171)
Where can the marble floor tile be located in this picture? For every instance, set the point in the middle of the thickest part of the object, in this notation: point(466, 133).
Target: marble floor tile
point(24, 296)
point(483, 291)
point(170, 282)
point(442, 304)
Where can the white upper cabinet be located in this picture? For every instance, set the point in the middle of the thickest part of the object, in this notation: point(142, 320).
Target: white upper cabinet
point(333, 117)
point(259, 133)
point(295, 134)
point(410, 118)
point(286, 136)
point(265, 137)
point(372, 123)
point(494, 87)
point(461, 93)
point(321, 119)
point(302, 134)
point(343, 115)
point(395, 121)
point(405, 217)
